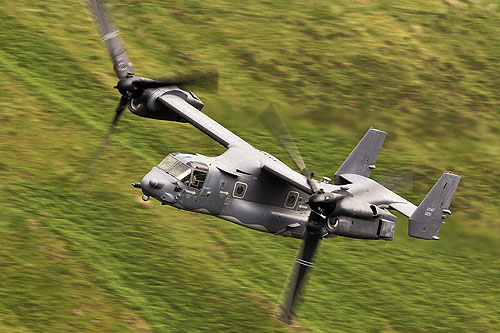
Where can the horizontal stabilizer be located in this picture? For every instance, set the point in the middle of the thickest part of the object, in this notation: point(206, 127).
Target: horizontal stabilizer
point(427, 219)
point(362, 159)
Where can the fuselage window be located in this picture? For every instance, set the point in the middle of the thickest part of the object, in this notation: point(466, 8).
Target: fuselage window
point(239, 190)
point(291, 199)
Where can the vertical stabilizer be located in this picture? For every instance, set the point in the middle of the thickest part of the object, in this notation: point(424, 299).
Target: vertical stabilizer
point(362, 159)
point(427, 219)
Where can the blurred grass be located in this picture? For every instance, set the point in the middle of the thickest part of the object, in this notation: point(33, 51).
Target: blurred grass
point(92, 257)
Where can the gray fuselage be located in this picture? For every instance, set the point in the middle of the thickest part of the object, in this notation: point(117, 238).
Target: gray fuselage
point(236, 189)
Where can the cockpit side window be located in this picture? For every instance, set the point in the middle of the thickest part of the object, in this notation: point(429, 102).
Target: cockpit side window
point(192, 174)
point(198, 179)
point(199, 174)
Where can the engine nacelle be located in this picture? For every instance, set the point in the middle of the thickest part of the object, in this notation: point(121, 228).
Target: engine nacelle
point(347, 226)
point(357, 208)
point(147, 105)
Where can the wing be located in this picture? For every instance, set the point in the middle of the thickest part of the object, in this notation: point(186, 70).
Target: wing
point(229, 140)
point(368, 190)
point(286, 174)
point(201, 121)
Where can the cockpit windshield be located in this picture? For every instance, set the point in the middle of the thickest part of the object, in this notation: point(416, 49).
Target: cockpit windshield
point(180, 171)
point(167, 162)
point(193, 174)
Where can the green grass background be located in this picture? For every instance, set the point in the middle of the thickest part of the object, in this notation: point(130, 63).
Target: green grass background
point(91, 257)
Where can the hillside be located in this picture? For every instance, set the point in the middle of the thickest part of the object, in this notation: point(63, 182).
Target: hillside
point(86, 254)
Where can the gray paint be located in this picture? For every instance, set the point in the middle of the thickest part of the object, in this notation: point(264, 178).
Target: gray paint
point(269, 182)
point(427, 219)
point(362, 159)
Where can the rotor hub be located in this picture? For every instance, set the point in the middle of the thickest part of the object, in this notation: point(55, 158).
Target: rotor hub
point(129, 87)
point(324, 202)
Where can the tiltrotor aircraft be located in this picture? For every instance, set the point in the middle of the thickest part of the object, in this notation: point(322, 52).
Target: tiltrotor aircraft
point(250, 187)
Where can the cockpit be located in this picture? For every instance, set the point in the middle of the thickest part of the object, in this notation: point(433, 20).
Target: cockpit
point(193, 173)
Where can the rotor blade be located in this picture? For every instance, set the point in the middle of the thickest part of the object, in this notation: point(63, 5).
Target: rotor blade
point(121, 62)
point(277, 127)
point(311, 182)
point(207, 80)
point(302, 264)
point(87, 178)
point(119, 110)
point(398, 181)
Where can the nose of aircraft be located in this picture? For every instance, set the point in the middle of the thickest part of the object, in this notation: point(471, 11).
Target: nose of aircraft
point(160, 185)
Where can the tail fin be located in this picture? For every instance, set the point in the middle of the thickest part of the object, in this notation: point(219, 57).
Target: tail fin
point(362, 159)
point(427, 219)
